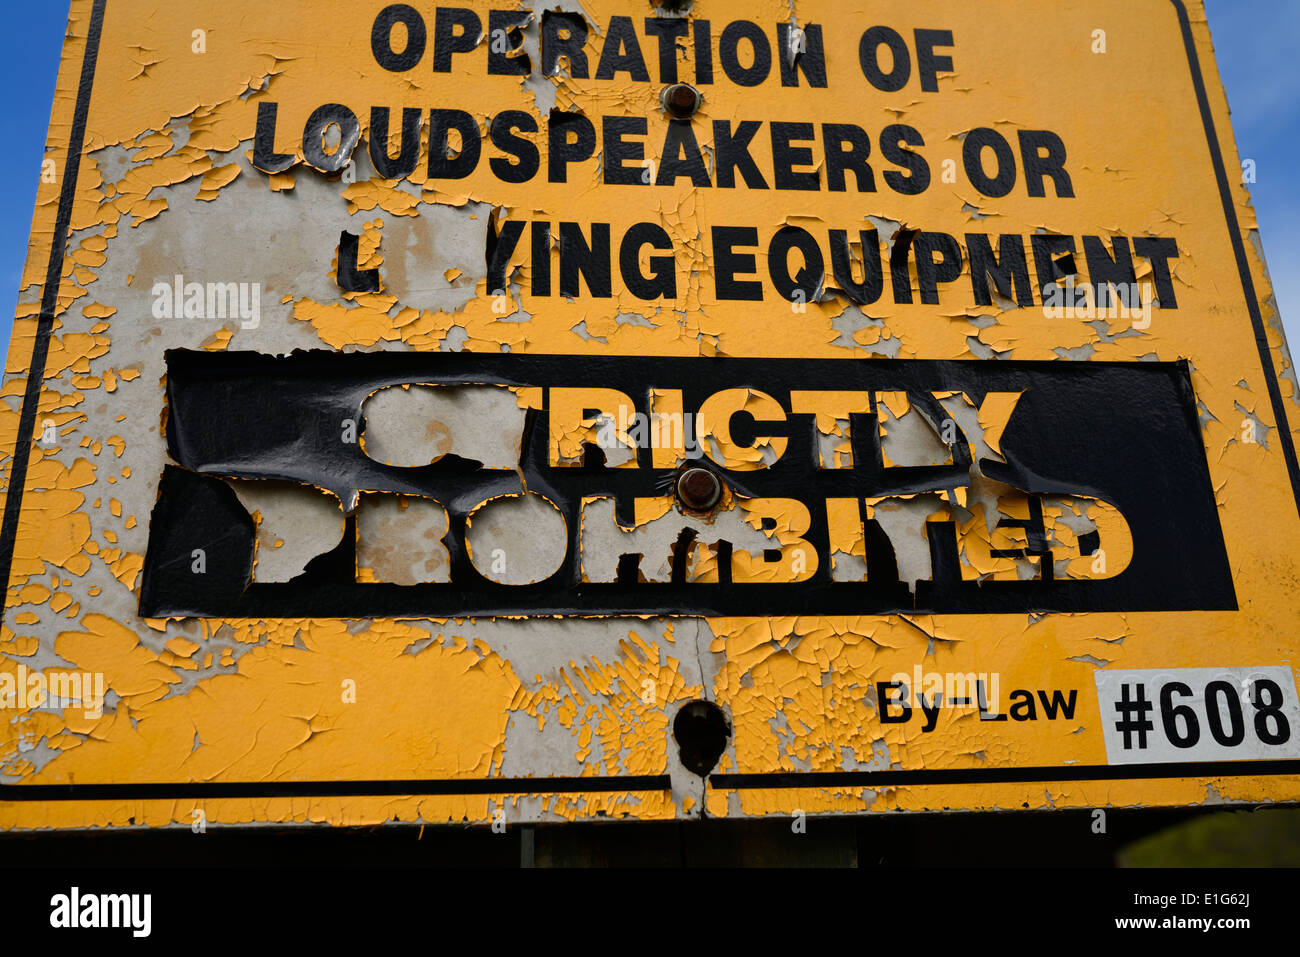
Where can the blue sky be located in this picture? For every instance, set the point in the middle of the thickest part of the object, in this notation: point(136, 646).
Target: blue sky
point(1255, 41)
point(1255, 44)
point(29, 61)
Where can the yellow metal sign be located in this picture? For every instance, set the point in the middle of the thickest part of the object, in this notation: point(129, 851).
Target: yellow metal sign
point(531, 412)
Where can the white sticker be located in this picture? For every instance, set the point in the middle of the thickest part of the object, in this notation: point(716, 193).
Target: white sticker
point(1169, 715)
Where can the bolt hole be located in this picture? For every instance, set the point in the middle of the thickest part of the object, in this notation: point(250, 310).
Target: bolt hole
point(701, 730)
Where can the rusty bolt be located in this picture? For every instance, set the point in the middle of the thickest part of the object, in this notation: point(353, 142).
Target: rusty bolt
point(699, 489)
point(681, 100)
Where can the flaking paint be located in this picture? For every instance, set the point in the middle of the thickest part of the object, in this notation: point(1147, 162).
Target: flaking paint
point(169, 140)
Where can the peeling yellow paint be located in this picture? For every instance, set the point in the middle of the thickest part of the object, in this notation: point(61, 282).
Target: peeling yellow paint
point(169, 142)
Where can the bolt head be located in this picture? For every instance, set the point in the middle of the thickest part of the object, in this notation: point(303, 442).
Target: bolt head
point(681, 100)
point(699, 489)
